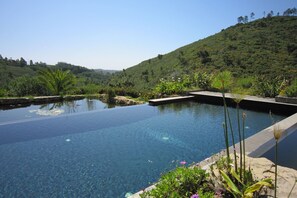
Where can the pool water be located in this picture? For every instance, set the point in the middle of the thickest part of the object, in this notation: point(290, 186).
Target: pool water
point(52, 109)
point(110, 152)
point(287, 148)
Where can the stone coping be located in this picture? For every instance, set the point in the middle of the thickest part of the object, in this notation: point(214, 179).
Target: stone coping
point(246, 97)
point(247, 102)
point(170, 100)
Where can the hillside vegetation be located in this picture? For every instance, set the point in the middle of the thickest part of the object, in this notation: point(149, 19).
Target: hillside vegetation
point(260, 56)
point(17, 78)
point(265, 47)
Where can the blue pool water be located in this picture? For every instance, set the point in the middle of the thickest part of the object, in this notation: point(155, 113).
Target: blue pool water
point(111, 152)
point(51, 109)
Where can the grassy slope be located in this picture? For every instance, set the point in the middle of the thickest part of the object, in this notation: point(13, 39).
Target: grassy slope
point(258, 47)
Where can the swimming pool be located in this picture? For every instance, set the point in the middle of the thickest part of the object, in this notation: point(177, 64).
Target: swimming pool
point(110, 152)
point(15, 112)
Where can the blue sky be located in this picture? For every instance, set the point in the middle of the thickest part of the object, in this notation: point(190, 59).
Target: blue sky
point(116, 34)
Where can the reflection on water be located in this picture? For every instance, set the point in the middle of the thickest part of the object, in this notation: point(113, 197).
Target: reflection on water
point(45, 112)
point(52, 109)
point(190, 107)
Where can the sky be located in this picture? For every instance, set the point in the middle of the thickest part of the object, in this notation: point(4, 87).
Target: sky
point(116, 34)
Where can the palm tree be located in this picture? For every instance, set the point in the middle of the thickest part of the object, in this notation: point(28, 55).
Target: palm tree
point(57, 82)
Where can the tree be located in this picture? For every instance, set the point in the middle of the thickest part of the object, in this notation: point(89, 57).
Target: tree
point(24, 86)
point(240, 19)
point(204, 55)
point(246, 19)
point(57, 82)
point(294, 11)
point(290, 12)
point(23, 62)
point(31, 63)
point(270, 14)
point(252, 15)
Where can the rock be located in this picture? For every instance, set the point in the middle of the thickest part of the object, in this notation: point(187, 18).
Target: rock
point(262, 167)
point(122, 100)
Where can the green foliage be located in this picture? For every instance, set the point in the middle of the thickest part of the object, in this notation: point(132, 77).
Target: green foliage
point(182, 182)
point(25, 86)
point(11, 70)
point(291, 91)
point(238, 188)
point(245, 83)
point(170, 87)
point(3, 92)
point(110, 96)
point(89, 89)
point(203, 80)
point(57, 82)
point(269, 87)
point(223, 81)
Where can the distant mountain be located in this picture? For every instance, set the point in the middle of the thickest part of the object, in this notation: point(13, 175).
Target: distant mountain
point(104, 71)
point(266, 46)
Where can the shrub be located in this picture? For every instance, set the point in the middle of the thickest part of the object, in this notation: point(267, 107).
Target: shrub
point(268, 87)
point(291, 91)
point(110, 96)
point(245, 83)
point(202, 80)
point(24, 86)
point(170, 87)
point(3, 92)
point(182, 182)
point(90, 89)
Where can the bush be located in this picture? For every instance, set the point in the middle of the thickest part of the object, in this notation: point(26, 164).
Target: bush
point(182, 182)
point(90, 89)
point(25, 86)
point(291, 91)
point(202, 80)
point(268, 87)
point(127, 92)
point(3, 92)
point(245, 83)
point(110, 96)
point(170, 87)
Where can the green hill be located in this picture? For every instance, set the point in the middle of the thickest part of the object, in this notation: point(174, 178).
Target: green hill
point(266, 46)
point(12, 69)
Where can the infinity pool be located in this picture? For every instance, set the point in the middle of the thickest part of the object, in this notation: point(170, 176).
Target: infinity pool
point(13, 113)
point(110, 152)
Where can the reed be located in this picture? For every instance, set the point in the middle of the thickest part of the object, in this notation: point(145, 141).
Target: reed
point(277, 132)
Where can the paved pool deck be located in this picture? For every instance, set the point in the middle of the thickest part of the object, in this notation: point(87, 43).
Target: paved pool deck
point(249, 102)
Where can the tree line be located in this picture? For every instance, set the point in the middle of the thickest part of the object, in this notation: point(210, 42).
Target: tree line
point(21, 62)
point(288, 12)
